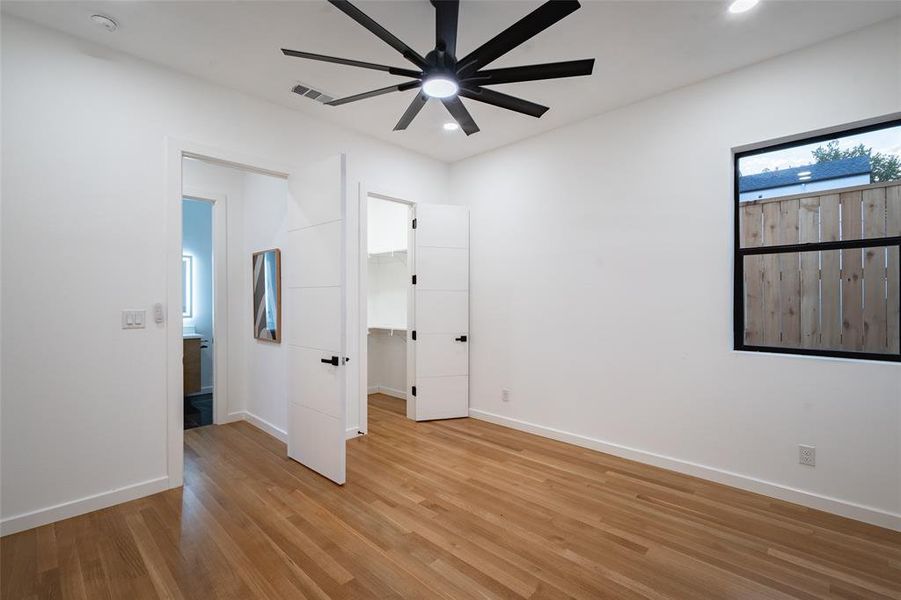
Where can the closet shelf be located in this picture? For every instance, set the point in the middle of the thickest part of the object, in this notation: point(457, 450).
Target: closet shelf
point(388, 328)
point(389, 253)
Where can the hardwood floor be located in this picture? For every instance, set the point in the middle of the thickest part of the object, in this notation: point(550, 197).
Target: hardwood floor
point(452, 509)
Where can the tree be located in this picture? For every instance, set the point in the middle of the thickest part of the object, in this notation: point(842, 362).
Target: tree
point(885, 167)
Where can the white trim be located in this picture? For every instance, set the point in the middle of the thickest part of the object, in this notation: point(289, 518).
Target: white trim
point(362, 324)
point(411, 318)
point(867, 514)
point(388, 391)
point(352, 432)
point(259, 423)
point(174, 151)
point(234, 417)
point(74, 508)
point(796, 137)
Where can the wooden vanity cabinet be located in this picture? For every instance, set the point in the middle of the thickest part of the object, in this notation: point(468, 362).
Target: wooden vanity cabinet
point(191, 363)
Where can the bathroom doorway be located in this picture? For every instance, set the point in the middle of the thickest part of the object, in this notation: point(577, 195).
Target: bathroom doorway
point(197, 311)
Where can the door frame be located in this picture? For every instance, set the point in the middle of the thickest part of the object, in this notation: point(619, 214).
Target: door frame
point(175, 150)
point(362, 296)
point(219, 203)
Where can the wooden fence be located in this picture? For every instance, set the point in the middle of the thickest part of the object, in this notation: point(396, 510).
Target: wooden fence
point(830, 300)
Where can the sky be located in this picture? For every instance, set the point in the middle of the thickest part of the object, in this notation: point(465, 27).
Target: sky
point(886, 141)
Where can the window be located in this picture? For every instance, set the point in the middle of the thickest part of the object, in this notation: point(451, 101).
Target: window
point(817, 245)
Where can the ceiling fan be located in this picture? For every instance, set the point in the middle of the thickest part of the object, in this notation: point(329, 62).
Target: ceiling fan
point(440, 74)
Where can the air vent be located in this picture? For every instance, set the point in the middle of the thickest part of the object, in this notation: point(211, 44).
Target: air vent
point(313, 94)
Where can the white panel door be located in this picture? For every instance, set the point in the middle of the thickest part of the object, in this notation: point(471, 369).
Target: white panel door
point(441, 312)
point(315, 315)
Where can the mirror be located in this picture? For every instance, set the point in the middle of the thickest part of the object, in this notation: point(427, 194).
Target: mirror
point(267, 295)
point(187, 286)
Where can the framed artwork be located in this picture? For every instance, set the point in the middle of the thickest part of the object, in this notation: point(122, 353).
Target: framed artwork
point(267, 295)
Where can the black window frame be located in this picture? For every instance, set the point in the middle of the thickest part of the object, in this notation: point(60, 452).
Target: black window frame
point(739, 252)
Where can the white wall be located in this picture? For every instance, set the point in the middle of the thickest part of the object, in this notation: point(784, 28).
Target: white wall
point(265, 226)
point(387, 358)
point(84, 236)
point(387, 225)
point(389, 283)
point(602, 288)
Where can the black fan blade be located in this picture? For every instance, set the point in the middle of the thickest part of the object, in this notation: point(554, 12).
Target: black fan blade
point(352, 63)
point(386, 36)
point(571, 68)
point(409, 85)
point(455, 107)
point(446, 13)
point(411, 112)
point(504, 101)
point(529, 26)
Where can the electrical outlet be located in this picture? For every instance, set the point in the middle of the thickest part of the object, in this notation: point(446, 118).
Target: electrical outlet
point(505, 395)
point(807, 455)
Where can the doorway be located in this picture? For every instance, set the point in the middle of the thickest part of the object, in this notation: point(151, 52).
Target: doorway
point(387, 309)
point(221, 178)
point(197, 311)
point(414, 282)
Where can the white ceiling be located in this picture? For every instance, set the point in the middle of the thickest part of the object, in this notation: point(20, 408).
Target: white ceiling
point(642, 49)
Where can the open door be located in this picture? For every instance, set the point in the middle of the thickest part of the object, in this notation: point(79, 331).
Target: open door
point(441, 313)
point(315, 312)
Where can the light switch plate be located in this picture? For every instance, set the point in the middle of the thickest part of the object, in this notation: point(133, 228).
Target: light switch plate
point(133, 319)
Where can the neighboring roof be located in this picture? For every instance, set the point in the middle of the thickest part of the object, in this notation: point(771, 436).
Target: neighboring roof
point(846, 167)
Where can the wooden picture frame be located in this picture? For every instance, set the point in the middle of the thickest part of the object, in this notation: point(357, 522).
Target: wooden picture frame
point(266, 288)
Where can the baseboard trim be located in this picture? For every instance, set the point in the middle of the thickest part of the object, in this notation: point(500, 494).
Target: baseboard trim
point(259, 423)
point(271, 429)
point(860, 512)
point(74, 508)
point(388, 391)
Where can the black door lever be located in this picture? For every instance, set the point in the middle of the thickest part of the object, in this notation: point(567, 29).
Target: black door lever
point(330, 361)
point(462, 338)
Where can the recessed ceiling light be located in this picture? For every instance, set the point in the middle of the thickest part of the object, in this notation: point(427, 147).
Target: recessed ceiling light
point(451, 126)
point(740, 6)
point(105, 22)
point(439, 87)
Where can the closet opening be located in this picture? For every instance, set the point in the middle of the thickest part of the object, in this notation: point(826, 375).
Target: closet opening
point(388, 307)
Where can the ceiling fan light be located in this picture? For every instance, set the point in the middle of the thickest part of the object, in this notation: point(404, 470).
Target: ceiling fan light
point(740, 6)
point(440, 87)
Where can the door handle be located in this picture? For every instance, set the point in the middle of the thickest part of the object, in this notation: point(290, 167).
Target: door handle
point(330, 361)
point(462, 338)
